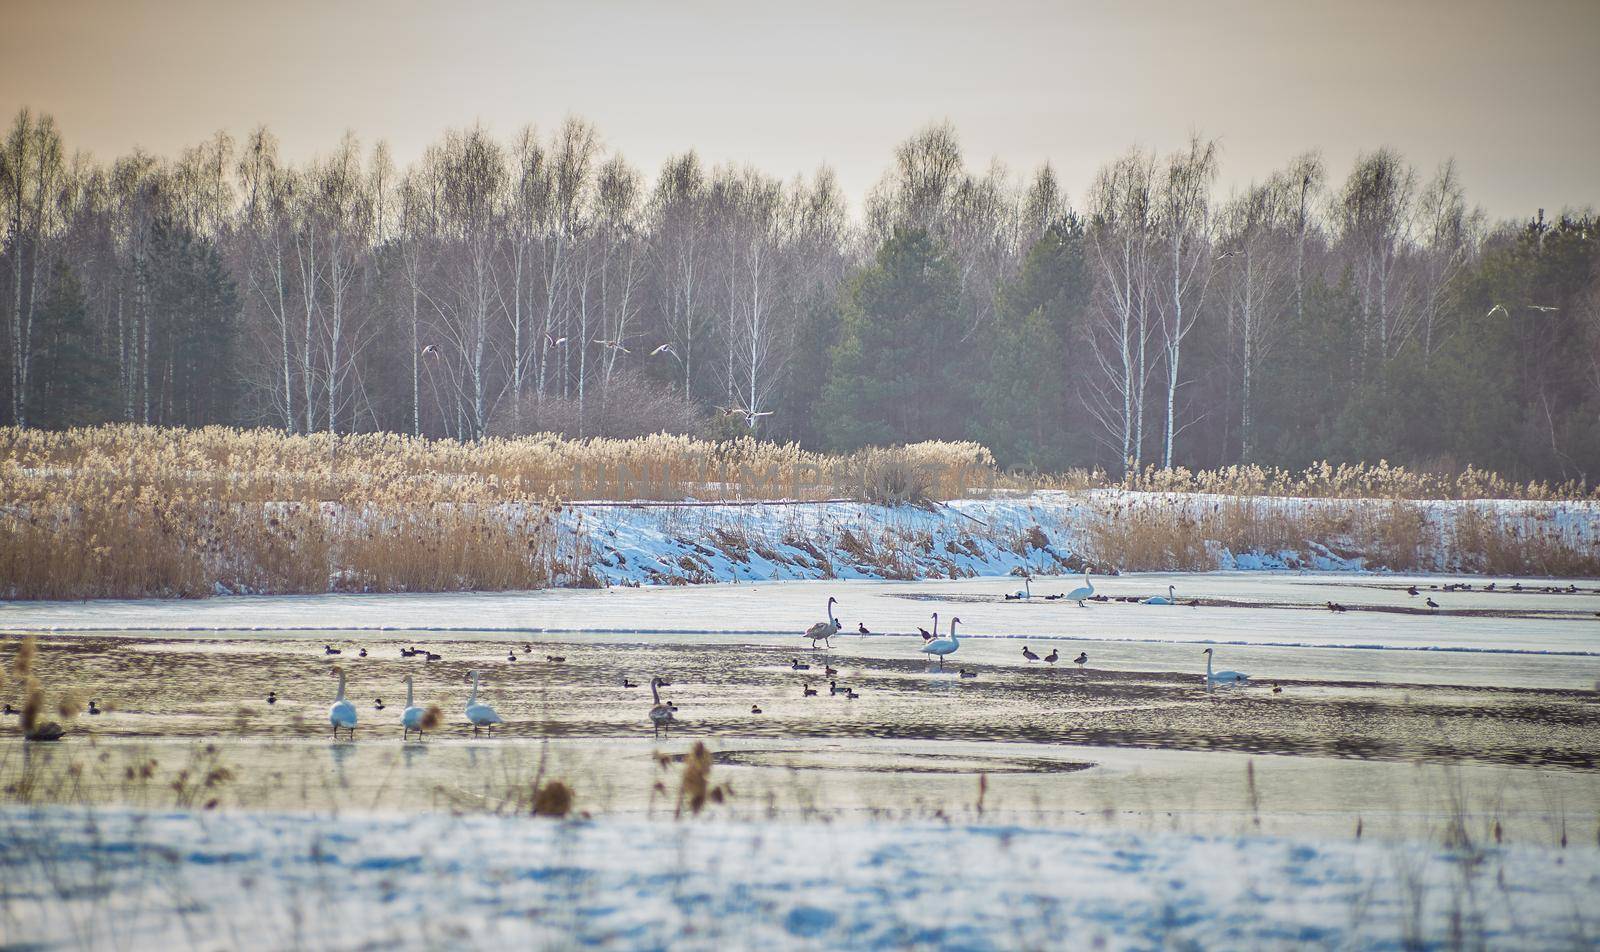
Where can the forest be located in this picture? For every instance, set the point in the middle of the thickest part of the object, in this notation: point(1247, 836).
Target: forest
point(542, 283)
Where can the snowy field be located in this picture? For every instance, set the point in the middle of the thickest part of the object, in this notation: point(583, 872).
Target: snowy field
point(118, 879)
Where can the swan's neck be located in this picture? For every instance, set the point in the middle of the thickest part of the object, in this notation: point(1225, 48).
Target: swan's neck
point(408, 692)
point(1208, 668)
point(935, 624)
point(953, 632)
point(654, 692)
point(474, 699)
point(1172, 591)
point(340, 696)
point(830, 615)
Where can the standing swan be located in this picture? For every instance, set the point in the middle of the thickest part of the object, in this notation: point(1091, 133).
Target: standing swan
point(661, 714)
point(411, 717)
point(944, 646)
point(480, 715)
point(342, 713)
point(1083, 592)
point(824, 630)
point(1221, 677)
point(1171, 598)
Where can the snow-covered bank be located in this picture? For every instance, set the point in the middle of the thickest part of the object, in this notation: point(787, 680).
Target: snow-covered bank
point(74, 879)
point(1054, 532)
point(845, 540)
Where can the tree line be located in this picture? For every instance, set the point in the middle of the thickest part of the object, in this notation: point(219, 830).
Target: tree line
point(542, 283)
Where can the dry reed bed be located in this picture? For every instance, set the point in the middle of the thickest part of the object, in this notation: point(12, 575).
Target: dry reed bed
point(1170, 531)
point(129, 511)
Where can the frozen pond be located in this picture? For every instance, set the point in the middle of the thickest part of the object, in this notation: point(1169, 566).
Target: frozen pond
point(1091, 801)
point(1493, 694)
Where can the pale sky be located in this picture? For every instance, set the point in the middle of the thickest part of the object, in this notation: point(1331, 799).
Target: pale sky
point(1511, 90)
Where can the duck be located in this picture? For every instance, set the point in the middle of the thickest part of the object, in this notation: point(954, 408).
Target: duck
point(363, 653)
point(1335, 607)
point(833, 689)
point(555, 659)
point(850, 694)
point(794, 663)
point(1412, 591)
point(11, 711)
point(331, 650)
point(46, 732)
point(1028, 653)
point(629, 684)
point(408, 652)
point(1431, 604)
point(829, 670)
point(511, 656)
point(862, 629)
point(967, 674)
point(435, 657)
point(1052, 657)
point(755, 709)
point(1082, 658)
point(807, 690)
point(378, 704)
point(93, 707)
point(1277, 689)
point(272, 698)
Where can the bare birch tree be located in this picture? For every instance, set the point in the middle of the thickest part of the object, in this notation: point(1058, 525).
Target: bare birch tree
point(1184, 221)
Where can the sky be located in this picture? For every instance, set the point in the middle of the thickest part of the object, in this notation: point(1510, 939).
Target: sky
point(1510, 90)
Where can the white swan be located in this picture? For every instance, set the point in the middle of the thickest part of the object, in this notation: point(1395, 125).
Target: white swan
point(944, 646)
point(1083, 592)
point(480, 715)
point(342, 713)
point(1027, 590)
point(411, 717)
point(660, 714)
point(1221, 677)
point(824, 630)
point(1171, 598)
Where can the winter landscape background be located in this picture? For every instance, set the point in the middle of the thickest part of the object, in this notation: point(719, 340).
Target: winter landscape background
point(855, 476)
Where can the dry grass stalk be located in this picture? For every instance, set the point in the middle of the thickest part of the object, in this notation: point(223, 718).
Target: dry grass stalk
point(32, 705)
point(695, 789)
point(553, 799)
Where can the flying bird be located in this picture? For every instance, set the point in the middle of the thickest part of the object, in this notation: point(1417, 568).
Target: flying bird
point(613, 345)
point(430, 351)
point(550, 341)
